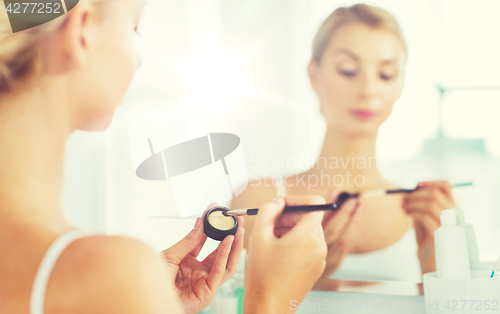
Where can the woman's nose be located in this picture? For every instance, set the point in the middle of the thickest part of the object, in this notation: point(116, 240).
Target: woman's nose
point(368, 84)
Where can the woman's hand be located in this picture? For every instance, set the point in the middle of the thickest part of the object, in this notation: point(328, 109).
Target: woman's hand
point(197, 281)
point(286, 256)
point(425, 206)
point(335, 226)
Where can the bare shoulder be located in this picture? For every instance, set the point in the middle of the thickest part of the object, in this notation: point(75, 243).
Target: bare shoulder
point(255, 194)
point(104, 274)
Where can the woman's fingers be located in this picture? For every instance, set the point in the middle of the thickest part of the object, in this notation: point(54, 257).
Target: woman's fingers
point(338, 223)
point(187, 245)
point(218, 269)
point(279, 232)
point(287, 220)
point(268, 215)
point(444, 186)
point(307, 220)
point(209, 260)
point(427, 221)
point(236, 249)
point(191, 244)
point(197, 249)
point(332, 196)
point(336, 253)
point(271, 213)
point(422, 207)
point(429, 195)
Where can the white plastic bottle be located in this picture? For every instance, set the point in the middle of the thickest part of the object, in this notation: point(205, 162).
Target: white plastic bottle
point(470, 236)
point(452, 256)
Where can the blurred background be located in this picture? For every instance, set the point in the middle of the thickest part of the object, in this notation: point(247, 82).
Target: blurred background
point(244, 62)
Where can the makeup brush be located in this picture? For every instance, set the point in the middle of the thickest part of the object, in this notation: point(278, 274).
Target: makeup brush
point(295, 209)
point(341, 199)
point(381, 192)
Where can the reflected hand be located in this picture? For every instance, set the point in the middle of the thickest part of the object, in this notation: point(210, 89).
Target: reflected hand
point(425, 205)
point(197, 281)
point(336, 226)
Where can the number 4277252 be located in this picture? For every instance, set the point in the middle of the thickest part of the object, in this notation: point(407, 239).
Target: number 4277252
point(34, 8)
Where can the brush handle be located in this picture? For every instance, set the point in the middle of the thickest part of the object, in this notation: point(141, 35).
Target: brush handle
point(399, 191)
point(298, 209)
point(343, 197)
point(411, 190)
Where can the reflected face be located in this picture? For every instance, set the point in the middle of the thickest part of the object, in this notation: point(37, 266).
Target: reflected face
point(358, 78)
point(113, 64)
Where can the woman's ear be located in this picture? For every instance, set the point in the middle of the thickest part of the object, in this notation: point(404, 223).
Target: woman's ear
point(76, 35)
point(312, 71)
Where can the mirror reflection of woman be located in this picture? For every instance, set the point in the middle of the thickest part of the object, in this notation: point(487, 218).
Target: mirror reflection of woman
point(357, 72)
point(71, 74)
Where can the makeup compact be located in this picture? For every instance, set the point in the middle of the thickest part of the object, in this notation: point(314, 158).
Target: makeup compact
point(217, 225)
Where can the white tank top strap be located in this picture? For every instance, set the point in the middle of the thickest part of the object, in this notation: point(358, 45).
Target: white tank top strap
point(280, 187)
point(37, 300)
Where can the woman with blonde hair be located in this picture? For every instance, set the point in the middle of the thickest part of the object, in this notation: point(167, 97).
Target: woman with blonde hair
point(71, 74)
point(357, 71)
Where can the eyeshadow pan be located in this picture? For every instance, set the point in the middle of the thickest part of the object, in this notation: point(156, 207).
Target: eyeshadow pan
point(217, 226)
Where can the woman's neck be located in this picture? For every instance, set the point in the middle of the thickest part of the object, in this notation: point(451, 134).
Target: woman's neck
point(33, 131)
point(349, 156)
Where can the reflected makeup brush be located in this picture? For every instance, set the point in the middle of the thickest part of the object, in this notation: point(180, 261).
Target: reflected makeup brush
point(381, 192)
point(341, 199)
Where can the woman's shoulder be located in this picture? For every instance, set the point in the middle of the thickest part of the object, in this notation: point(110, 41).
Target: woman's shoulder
point(256, 193)
point(100, 252)
point(102, 274)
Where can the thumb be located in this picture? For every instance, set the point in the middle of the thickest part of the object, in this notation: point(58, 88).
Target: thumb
point(176, 253)
point(268, 214)
point(332, 196)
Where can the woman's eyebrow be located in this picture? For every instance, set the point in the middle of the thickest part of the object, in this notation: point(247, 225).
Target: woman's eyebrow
point(346, 51)
point(390, 61)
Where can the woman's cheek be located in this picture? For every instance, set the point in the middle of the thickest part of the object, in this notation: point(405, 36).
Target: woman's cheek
point(390, 96)
point(338, 90)
point(129, 61)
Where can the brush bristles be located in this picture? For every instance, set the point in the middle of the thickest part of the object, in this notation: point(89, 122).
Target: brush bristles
point(235, 212)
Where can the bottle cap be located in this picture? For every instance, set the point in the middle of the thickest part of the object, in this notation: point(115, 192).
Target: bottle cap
point(448, 217)
point(460, 215)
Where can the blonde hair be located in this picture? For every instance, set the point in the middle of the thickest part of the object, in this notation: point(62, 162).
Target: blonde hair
point(19, 51)
point(359, 13)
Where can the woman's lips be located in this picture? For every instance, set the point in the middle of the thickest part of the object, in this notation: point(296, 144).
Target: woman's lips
point(361, 114)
